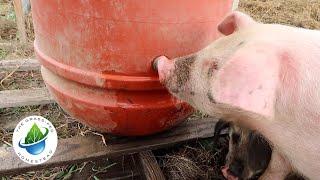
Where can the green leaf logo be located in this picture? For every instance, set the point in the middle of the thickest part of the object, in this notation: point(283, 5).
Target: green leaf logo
point(35, 134)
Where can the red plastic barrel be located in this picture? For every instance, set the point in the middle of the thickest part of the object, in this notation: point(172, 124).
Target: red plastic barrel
point(96, 57)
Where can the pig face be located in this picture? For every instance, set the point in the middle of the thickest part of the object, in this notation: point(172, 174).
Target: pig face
point(203, 78)
point(180, 77)
point(249, 153)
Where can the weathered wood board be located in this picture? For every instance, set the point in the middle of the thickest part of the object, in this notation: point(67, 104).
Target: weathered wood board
point(80, 149)
point(25, 97)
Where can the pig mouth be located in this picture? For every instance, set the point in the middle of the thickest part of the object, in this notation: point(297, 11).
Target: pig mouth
point(227, 174)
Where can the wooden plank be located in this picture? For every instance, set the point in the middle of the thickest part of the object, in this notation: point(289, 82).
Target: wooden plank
point(20, 20)
point(24, 97)
point(21, 64)
point(150, 166)
point(81, 149)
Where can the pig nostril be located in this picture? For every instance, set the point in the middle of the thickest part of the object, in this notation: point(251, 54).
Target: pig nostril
point(155, 64)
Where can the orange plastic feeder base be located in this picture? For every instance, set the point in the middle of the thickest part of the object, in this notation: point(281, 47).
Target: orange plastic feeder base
point(96, 57)
point(128, 113)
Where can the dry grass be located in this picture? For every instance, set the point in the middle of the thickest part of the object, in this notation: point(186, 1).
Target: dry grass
point(29, 27)
point(53, 173)
point(197, 160)
point(65, 125)
point(16, 51)
point(8, 29)
point(299, 13)
point(8, 33)
point(182, 167)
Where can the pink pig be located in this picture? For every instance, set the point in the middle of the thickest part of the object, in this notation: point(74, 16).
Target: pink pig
point(265, 77)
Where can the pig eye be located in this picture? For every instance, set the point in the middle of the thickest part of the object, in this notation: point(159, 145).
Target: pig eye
point(235, 138)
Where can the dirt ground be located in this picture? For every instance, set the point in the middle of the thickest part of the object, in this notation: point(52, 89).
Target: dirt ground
point(196, 160)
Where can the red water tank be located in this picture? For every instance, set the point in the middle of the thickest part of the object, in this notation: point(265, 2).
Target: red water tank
point(96, 57)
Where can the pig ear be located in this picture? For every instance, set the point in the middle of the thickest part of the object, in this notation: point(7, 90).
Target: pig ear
point(233, 22)
point(249, 81)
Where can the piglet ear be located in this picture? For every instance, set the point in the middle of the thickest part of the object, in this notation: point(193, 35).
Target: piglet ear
point(233, 22)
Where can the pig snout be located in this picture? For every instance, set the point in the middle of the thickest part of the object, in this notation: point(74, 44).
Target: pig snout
point(225, 171)
point(164, 66)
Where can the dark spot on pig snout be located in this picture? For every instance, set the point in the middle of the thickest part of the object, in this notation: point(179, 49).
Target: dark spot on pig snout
point(260, 87)
point(155, 62)
point(210, 97)
point(192, 93)
point(182, 69)
point(241, 43)
point(174, 90)
point(294, 176)
point(213, 66)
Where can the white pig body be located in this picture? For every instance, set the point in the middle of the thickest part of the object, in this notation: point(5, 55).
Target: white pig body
point(262, 76)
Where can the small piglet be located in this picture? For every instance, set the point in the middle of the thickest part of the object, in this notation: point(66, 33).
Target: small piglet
point(264, 77)
point(249, 153)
